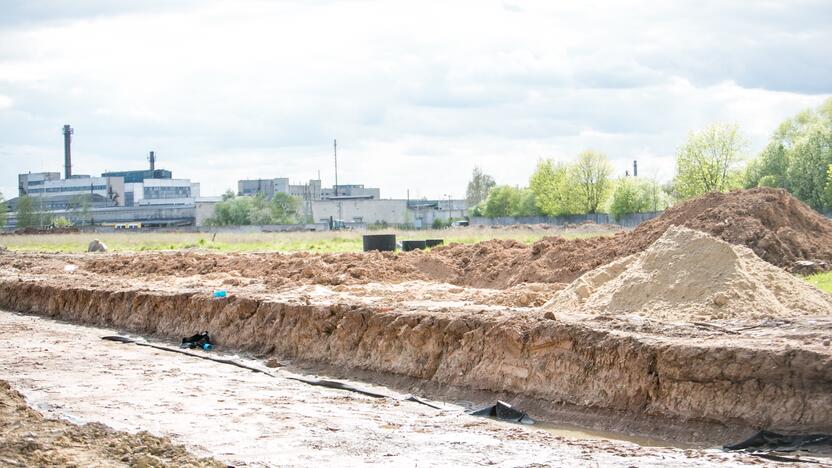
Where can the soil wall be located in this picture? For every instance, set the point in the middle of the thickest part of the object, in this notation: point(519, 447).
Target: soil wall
point(549, 360)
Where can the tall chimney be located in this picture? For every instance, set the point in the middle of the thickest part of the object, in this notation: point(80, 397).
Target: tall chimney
point(635, 168)
point(152, 159)
point(68, 131)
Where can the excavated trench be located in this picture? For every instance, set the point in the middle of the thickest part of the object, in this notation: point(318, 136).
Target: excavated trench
point(606, 374)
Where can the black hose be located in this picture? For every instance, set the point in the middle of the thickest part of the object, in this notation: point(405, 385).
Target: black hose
point(319, 383)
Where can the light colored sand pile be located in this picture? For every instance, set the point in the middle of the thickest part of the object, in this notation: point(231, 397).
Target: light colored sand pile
point(688, 274)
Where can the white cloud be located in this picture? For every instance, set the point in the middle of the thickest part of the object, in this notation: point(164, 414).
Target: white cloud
point(417, 94)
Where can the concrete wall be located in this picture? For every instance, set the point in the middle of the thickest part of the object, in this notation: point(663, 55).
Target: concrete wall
point(364, 211)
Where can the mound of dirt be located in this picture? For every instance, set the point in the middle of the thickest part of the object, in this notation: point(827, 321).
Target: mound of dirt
point(779, 228)
point(776, 226)
point(274, 269)
point(29, 439)
point(687, 274)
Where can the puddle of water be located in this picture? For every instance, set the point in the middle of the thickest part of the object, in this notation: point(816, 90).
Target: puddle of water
point(576, 432)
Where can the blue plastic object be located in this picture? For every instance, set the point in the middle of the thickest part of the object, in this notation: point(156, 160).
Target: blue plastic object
point(207, 346)
point(220, 293)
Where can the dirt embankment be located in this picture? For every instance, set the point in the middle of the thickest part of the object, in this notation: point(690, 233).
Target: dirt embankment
point(779, 228)
point(776, 226)
point(28, 439)
point(725, 381)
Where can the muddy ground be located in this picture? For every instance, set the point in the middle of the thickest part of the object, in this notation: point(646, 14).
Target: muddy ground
point(249, 419)
point(684, 380)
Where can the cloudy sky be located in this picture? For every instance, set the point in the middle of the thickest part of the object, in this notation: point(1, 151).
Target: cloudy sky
point(417, 93)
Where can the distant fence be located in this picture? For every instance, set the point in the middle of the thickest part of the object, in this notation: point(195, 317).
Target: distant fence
point(628, 220)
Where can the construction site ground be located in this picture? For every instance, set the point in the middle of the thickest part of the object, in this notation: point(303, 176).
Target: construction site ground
point(689, 332)
point(249, 419)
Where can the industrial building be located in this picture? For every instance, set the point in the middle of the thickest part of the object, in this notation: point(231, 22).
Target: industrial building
point(150, 196)
point(153, 197)
point(310, 191)
point(270, 187)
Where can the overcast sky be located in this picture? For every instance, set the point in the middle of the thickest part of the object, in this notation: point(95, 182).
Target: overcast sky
point(417, 93)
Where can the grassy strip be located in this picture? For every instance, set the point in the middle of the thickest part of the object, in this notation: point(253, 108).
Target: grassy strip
point(822, 281)
point(319, 242)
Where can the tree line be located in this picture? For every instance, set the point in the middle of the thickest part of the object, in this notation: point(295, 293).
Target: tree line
point(258, 209)
point(798, 158)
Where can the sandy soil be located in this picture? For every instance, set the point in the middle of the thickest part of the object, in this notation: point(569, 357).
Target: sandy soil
point(249, 419)
point(29, 439)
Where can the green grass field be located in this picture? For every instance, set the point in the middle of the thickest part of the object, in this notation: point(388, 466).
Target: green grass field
point(334, 241)
point(822, 281)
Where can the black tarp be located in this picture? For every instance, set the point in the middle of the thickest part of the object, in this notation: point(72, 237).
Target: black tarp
point(774, 442)
point(503, 411)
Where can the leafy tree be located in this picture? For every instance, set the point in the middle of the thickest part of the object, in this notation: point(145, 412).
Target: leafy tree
point(61, 222)
point(505, 200)
point(592, 178)
point(478, 187)
point(626, 198)
point(526, 204)
point(828, 188)
point(4, 211)
point(81, 207)
point(809, 162)
point(708, 161)
point(772, 165)
point(26, 215)
point(228, 195)
point(500, 201)
point(258, 209)
point(284, 208)
point(554, 189)
point(635, 195)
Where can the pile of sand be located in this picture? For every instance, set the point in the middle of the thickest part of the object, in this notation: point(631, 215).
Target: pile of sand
point(687, 274)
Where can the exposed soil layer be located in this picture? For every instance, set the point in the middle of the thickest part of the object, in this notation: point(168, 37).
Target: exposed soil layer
point(776, 226)
point(725, 375)
point(253, 420)
point(29, 439)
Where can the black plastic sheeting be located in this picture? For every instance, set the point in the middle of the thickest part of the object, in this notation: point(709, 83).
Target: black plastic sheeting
point(197, 341)
point(774, 442)
point(504, 412)
point(315, 382)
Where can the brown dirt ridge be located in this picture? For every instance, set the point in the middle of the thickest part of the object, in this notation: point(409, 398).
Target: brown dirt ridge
point(779, 228)
point(776, 226)
point(29, 439)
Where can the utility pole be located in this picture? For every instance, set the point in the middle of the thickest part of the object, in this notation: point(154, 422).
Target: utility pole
point(335, 153)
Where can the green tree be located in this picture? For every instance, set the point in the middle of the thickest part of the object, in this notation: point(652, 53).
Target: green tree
point(708, 161)
point(284, 208)
point(61, 222)
point(772, 165)
point(257, 209)
point(26, 216)
point(554, 189)
point(828, 188)
point(500, 201)
point(478, 187)
point(592, 179)
point(81, 205)
point(809, 162)
point(4, 212)
point(526, 204)
point(627, 197)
